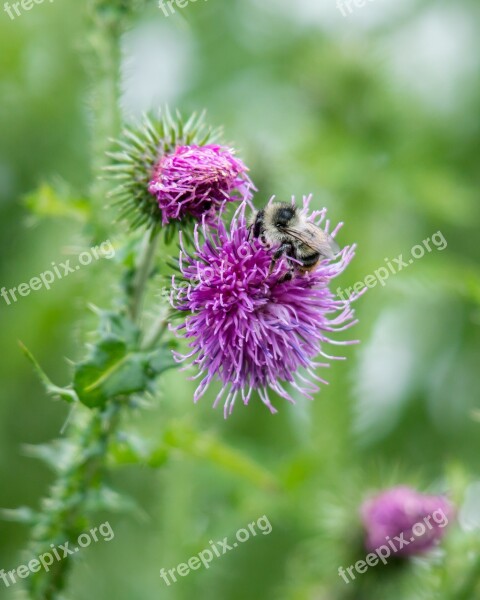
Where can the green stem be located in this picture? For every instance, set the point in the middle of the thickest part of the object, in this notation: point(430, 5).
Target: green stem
point(156, 332)
point(143, 273)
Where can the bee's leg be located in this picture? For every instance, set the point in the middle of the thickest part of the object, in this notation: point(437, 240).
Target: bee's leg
point(285, 248)
point(291, 269)
point(288, 275)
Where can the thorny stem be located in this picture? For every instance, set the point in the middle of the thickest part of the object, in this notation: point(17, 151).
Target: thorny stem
point(142, 273)
point(156, 332)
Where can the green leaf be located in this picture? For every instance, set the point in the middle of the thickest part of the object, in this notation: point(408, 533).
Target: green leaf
point(116, 366)
point(113, 371)
point(53, 390)
point(109, 372)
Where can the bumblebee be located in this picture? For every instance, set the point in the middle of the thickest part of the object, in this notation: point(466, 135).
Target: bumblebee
point(286, 226)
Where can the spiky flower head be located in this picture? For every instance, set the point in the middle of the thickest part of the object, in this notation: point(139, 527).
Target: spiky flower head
point(403, 512)
point(252, 329)
point(171, 173)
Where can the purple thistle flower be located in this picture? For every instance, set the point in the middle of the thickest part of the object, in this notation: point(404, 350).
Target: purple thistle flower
point(418, 519)
point(197, 180)
point(248, 328)
point(170, 171)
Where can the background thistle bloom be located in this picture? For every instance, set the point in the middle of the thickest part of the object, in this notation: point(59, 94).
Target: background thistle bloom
point(396, 511)
point(248, 328)
point(196, 180)
point(170, 171)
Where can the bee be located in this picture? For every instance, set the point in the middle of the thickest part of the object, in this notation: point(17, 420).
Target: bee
point(286, 226)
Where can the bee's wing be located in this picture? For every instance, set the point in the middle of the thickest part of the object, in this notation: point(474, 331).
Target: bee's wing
point(316, 239)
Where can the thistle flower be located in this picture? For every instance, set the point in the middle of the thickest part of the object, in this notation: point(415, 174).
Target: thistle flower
point(170, 172)
point(251, 329)
point(197, 180)
point(402, 512)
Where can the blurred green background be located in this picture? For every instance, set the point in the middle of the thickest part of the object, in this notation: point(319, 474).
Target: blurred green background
point(377, 114)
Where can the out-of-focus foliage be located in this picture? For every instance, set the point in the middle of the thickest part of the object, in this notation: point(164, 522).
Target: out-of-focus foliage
point(376, 113)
